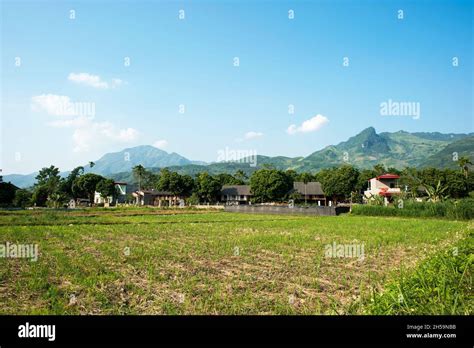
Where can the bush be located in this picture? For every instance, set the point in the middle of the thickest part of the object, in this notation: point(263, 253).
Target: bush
point(22, 198)
point(440, 285)
point(193, 200)
point(462, 209)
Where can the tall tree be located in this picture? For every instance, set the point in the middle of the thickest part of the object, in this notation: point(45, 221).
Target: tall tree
point(40, 196)
point(48, 176)
point(106, 188)
point(379, 169)
point(227, 179)
point(47, 187)
point(66, 184)
point(138, 173)
point(241, 176)
point(464, 163)
point(208, 188)
point(270, 185)
point(180, 185)
point(339, 183)
point(7, 193)
point(362, 181)
point(22, 198)
point(86, 185)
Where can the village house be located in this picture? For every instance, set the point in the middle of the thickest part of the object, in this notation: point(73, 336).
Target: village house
point(235, 194)
point(311, 192)
point(240, 194)
point(157, 198)
point(385, 185)
point(121, 189)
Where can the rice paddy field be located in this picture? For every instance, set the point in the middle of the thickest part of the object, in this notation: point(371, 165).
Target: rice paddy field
point(150, 261)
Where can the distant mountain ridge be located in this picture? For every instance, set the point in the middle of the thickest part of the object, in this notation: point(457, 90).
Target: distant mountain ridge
point(364, 150)
point(146, 155)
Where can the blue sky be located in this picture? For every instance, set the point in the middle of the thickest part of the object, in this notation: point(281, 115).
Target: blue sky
point(190, 62)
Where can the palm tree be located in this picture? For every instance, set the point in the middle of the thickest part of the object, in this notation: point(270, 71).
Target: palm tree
point(138, 172)
point(241, 176)
point(464, 162)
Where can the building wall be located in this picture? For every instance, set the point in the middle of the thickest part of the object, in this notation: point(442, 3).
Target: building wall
point(256, 209)
point(376, 185)
point(235, 198)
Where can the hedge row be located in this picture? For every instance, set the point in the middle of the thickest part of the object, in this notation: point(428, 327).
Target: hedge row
point(462, 209)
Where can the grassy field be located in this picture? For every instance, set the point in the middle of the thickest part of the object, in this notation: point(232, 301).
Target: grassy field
point(149, 261)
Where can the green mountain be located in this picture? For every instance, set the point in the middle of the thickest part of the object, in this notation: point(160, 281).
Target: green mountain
point(364, 150)
point(125, 160)
point(117, 162)
point(446, 158)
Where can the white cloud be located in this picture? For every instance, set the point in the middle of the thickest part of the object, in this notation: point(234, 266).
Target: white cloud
point(313, 124)
point(116, 83)
point(94, 81)
point(96, 134)
point(128, 134)
point(249, 135)
point(160, 144)
point(80, 121)
point(253, 135)
point(56, 105)
point(87, 133)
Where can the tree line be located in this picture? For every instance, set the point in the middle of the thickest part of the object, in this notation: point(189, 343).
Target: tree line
point(50, 190)
point(267, 184)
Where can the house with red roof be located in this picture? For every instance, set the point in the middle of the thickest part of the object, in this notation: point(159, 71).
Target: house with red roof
point(385, 185)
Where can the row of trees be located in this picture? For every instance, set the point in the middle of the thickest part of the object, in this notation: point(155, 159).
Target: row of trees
point(203, 188)
point(267, 184)
point(53, 191)
point(339, 183)
point(348, 182)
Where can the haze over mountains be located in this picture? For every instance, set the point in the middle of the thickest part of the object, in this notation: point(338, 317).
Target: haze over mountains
point(364, 150)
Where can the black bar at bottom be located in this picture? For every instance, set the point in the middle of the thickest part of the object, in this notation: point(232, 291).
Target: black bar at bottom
point(447, 331)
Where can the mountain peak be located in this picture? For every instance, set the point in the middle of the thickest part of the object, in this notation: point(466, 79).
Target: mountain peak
point(145, 155)
point(141, 148)
point(367, 141)
point(368, 131)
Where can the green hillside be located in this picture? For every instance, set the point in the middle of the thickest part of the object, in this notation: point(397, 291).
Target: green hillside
point(364, 150)
point(446, 158)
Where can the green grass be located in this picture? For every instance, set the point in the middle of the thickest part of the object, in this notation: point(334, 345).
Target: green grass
point(195, 262)
point(462, 209)
point(442, 284)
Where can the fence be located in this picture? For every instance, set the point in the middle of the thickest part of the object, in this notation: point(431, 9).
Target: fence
point(265, 209)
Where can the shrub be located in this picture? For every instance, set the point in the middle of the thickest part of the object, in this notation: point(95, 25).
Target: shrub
point(462, 209)
point(440, 285)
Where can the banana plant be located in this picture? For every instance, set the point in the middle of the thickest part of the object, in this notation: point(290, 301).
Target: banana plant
point(436, 193)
